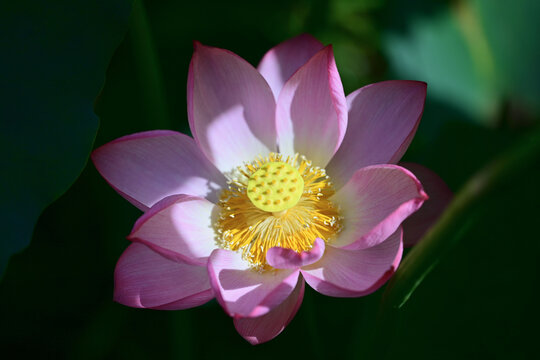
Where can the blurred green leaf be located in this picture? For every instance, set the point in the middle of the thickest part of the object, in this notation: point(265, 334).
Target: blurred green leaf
point(474, 54)
point(447, 50)
point(54, 59)
point(511, 30)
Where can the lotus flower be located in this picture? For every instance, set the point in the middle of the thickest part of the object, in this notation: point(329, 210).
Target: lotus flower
point(285, 181)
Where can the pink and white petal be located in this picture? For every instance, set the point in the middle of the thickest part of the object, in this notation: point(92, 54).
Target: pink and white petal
point(281, 258)
point(243, 291)
point(178, 227)
point(231, 108)
point(281, 61)
point(374, 203)
point(440, 195)
point(149, 166)
point(383, 118)
point(145, 279)
point(312, 111)
point(264, 328)
point(352, 273)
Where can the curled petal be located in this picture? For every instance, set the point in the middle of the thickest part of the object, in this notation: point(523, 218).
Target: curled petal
point(146, 167)
point(440, 195)
point(312, 111)
point(145, 279)
point(374, 203)
point(383, 118)
point(178, 227)
point(281, 258)
point(243, 291)
point(264, 328)
point(280, 62)
point(352, 273)
point(231, 108)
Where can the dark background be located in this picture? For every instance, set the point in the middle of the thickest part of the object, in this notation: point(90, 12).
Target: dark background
point(64, 60)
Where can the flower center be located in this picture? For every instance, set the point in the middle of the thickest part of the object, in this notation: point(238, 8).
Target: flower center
point(275, 187)
point(276, 201)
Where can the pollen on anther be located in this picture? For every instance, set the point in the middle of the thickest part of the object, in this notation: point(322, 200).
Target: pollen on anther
point(294, 210)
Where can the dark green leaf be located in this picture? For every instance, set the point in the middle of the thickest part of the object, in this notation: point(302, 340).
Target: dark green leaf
point(54, 57)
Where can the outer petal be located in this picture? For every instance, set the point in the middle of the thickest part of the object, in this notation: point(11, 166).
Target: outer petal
point(440, 195)
point(383, 119)
point(245, 292)
point(264, 328)
point(231, 108)
point(281, 258)
point(280, 62)
point(145, 279)
point(352, 273)
point(178, 227)
point(146, 167)
point(312, 110)
point(374, 203)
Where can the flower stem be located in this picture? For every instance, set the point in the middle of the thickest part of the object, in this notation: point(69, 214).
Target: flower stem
point(443, 236)
point(147, 66)
point(451, 228)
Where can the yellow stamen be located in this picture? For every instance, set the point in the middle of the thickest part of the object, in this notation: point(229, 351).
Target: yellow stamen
point(258, 213)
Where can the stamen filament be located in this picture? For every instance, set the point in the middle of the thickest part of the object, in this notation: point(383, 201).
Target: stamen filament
point(245, 227)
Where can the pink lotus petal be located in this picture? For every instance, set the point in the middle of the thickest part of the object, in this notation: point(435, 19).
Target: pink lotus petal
point(243, 291)
point(440, 195)
point(178, 227)
point(383, 118)
point(374, 203)
point(231, 108)
point(281, 61)
point(352, 273)
point(312, 111)
point(264, 328)
point(145, 279)
point(281, 258)
point(146, 167)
